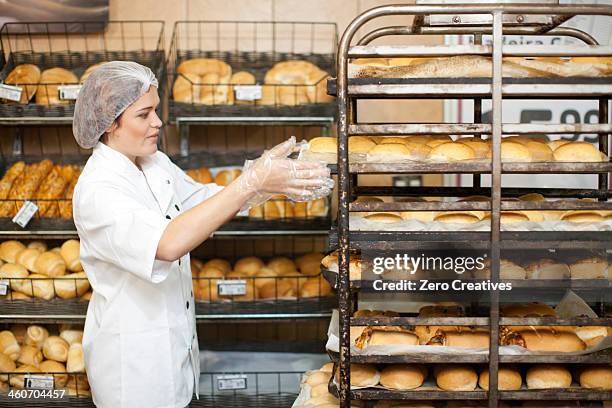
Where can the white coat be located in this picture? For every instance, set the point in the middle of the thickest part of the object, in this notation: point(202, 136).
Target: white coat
point(140, 342)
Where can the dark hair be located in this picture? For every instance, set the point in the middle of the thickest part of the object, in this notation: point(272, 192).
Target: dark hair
point(117, 121)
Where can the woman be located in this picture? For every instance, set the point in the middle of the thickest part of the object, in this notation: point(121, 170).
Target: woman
point(138, 216)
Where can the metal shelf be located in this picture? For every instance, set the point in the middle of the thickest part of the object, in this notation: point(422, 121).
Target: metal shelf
point(474, 239)
point(420, 395)
point(469, 88)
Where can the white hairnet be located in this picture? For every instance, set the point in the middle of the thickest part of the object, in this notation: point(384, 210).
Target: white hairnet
point(105, 94)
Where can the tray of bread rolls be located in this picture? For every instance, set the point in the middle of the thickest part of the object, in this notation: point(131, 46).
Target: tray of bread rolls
point(454, 154)
point(279, 70)
point(470, 75)
point(36, 280)
point(43, 75)
point(428, 336)
point(49, 355)
point(583, 270)
point(469, 381)
point(277, 285)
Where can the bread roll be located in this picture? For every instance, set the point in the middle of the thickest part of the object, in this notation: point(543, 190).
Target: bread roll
point(590, 268)
point(282, 265)
point(279, 289)
point(240, 78)
point(17, 381)
point(509, 217)
point(87, 295)
point(547, 269)
point(318, 377)
point(202, 175)
point(315, 287)
point(72, 336)
point(508, 379)
point(385, 336)
point(579, 152)
point(591, 335)
point(218, 263)
point(9, 345)
point(71, 285)
point(539, 151)
point(512, 151)
point(383, 217)
point(10, 249)
point(582, 216)
point(327, 367)
point(402, 376)
point(40, 286)
point(76, 359)
point(452, 151)
point(507, 270)
point(19, 331)
point(323, 145)
point(27, 77)
point(596, 376)
point(70, 252)
point(56, 348)
point(51, 264)
point(456, 377)
point(463, 338)
point(28, 258)
point(36, 336)
point(362, 375)
point(19, 296)
point(544, 376)
point(225, 177)
point(48, 88)
point(534, 309)
point(319, 390)
point(55, 368)
point(12, 272)
point(458, 217)
point(309, 264)
point(30, 355)
point(7, 365)
point(248, 266)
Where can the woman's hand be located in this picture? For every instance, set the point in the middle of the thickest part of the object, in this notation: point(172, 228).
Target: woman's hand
point(274, 173)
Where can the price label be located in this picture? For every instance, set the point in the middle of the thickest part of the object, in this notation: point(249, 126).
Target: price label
point(247, 92)
point(231, 287)
point(4, 287)
point(232, 382)
point(10, 92)
point(25, 214)
point(69, 92)
point(38, 382)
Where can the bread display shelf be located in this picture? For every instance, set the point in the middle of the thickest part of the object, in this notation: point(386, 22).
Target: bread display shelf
point(297, 307)
point(384, 240)
point(23, 48)
point(512, 88)
point(598, 357)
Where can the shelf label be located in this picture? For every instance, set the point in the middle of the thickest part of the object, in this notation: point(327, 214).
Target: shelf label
point(232, 382)
point(69, 92)
point(25, 214)
point(38, 382)
point(10, 92)
point(4, 286)
point(247, 92)
point(231, 287)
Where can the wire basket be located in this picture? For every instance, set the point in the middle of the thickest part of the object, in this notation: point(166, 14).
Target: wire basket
point(253, 47)
point(52, 45)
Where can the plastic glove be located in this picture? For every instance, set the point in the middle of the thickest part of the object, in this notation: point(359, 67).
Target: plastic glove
point(274, 173)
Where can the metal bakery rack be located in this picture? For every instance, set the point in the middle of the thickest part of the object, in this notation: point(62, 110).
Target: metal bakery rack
point(494, 18)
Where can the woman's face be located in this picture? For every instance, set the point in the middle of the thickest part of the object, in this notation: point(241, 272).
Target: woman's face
point(137, 132)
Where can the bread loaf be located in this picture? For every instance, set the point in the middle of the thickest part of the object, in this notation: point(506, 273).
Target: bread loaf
point(49, 192)
point(596, 376)
point(456, 377)
point(362, 375)
point(402, 376)
point(48, 88)
point(27, 77)
point(508, 379)
point(577, 152)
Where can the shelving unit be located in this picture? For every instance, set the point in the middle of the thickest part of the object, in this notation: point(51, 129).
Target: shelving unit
point(467, 17)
